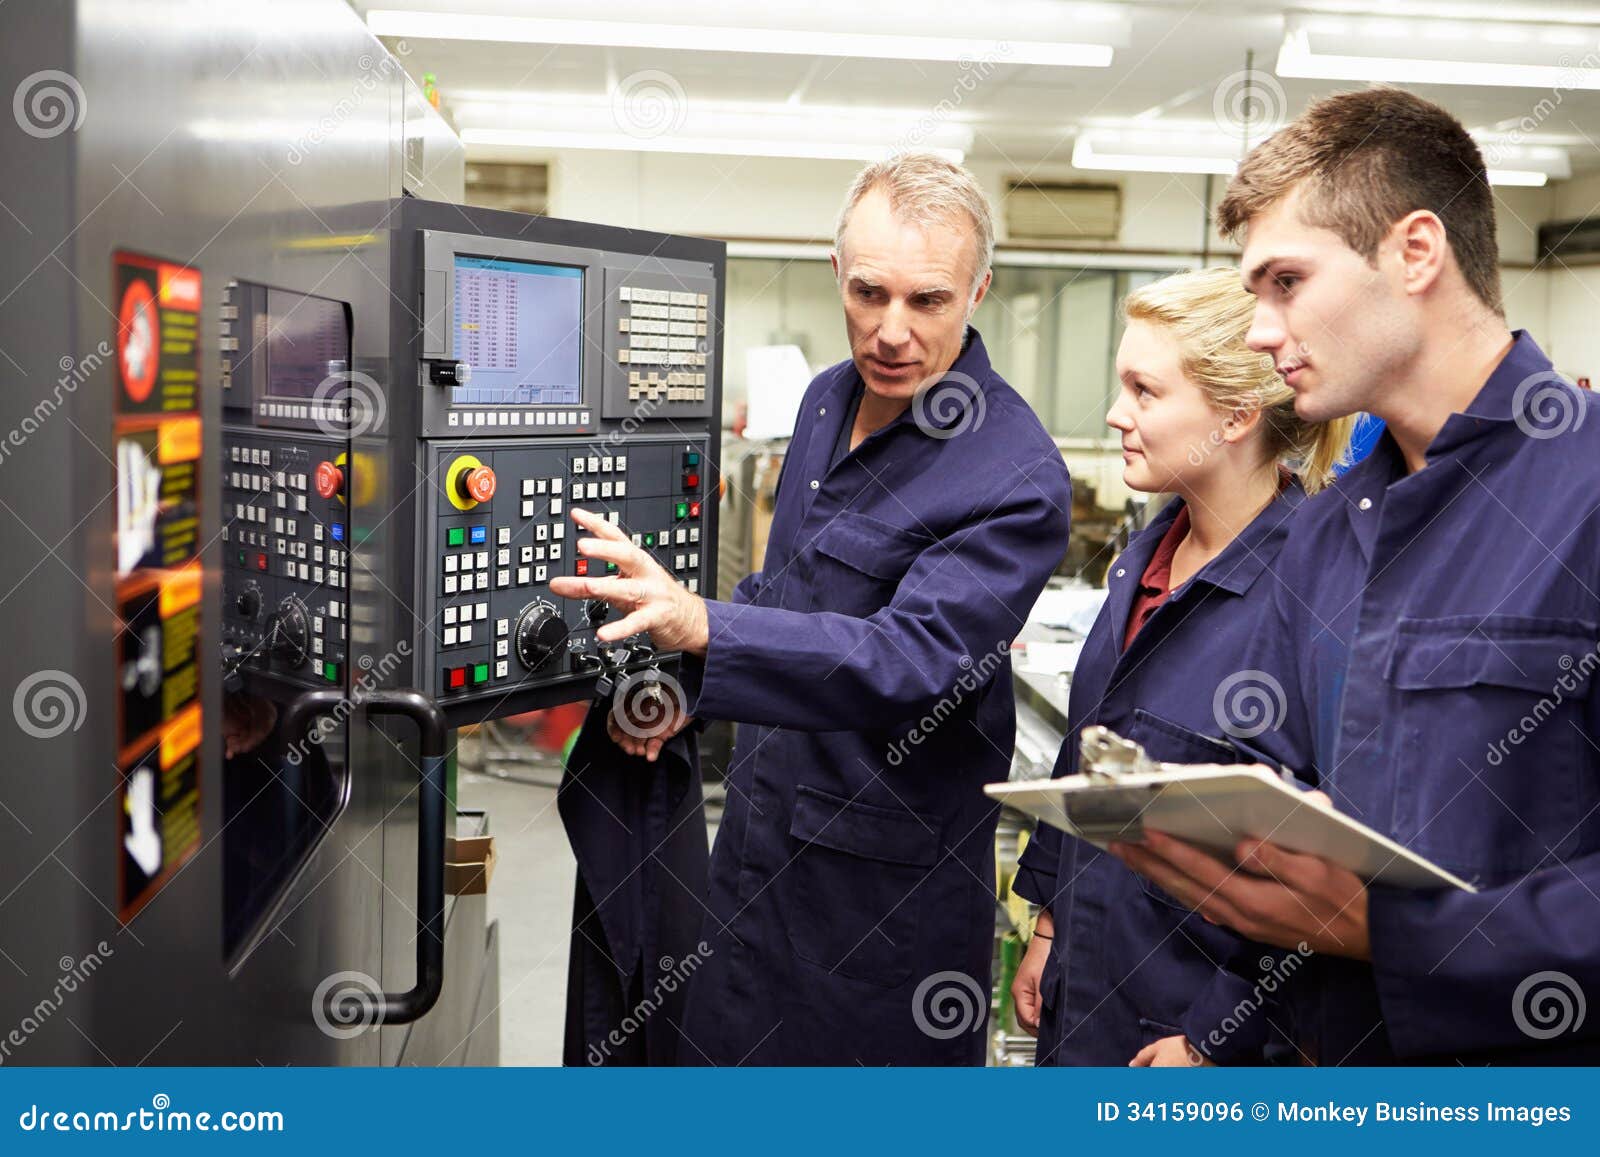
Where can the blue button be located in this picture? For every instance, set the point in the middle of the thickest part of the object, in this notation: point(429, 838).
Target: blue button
point(338, 531)
point(480, 534)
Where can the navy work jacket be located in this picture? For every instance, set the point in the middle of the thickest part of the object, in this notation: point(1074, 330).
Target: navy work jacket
point(1435, 637)
point(1127, 958)
point(852, 905)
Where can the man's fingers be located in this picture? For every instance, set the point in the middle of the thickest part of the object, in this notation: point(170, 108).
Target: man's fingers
point(1206, 898)
point(627, 556)
point(636, 623)
point(1191, 892)
point(1188, 859)
point(569, 587)
point(1142, 1058)
point(1292, 869)
point(623, 593)
point(598, 526)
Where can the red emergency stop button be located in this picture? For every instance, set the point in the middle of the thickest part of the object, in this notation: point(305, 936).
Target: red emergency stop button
point(330, 479)
point(476, 483)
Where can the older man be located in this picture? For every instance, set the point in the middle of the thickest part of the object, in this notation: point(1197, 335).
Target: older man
point(921, 509)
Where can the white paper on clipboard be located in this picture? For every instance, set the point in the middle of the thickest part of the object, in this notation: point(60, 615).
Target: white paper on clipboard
point(1214, 806)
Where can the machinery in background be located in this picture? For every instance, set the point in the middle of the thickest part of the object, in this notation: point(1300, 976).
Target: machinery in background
point(310, 475)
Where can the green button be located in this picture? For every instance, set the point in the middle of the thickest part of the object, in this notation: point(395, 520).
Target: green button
point(649, 540)
point(682, 510)
point(692, 459)
point(455, 536)
point(330, 672)
point(241, 558)
point(480, 673)
point(611, 568)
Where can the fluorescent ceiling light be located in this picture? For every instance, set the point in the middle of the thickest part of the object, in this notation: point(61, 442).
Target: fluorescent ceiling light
point(1172, 149)
point(1509, 158)
point(1517, 177)
point(704, 38)
point(1476, 52)
point(716, 146)
point(1143, 150)
point(655, 115)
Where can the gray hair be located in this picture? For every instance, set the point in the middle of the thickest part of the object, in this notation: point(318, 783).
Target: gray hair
point(925, 189)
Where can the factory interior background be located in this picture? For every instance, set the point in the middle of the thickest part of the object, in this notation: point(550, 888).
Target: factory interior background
point(1102, 180)
point(1103, 168)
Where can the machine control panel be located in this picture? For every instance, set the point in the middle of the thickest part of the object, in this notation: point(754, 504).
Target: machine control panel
point(501, 529)
point(286, 555)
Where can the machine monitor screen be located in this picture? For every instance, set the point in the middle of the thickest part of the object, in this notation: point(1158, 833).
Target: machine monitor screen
point(308, 340)
point(519, 325)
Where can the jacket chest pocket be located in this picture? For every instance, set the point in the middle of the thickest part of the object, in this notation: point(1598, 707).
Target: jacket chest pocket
point(858, 562)
point(1491, 766)
point(850, 891)
point(1170, 742)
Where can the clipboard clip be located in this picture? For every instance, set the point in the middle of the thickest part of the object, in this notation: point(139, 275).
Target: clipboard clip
point(1104, 755)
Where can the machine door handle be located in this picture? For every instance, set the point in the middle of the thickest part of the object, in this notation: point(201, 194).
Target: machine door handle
point(404, 1007)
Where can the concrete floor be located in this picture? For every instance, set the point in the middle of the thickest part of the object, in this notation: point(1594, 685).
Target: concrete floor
point(531, 897)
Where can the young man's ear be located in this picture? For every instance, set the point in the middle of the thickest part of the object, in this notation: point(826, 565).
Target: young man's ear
point(1423, 249)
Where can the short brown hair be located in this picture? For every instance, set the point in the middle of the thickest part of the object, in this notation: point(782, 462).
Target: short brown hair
point(1366, 159)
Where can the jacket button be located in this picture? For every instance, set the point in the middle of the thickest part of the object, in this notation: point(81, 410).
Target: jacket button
point(822, 411)
point(1365, 504)
point(1121, 571)
point(815, 484)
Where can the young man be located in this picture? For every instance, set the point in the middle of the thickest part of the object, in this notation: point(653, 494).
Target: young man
point(921, 509)
point(1435, 617)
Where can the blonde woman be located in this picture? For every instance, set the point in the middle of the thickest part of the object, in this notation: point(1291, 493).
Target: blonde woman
point(1114, 962)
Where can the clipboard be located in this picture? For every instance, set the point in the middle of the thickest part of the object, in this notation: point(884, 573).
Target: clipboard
point(1213, 806)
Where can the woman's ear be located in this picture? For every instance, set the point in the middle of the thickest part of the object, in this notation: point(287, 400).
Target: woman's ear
point(1239, 424)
